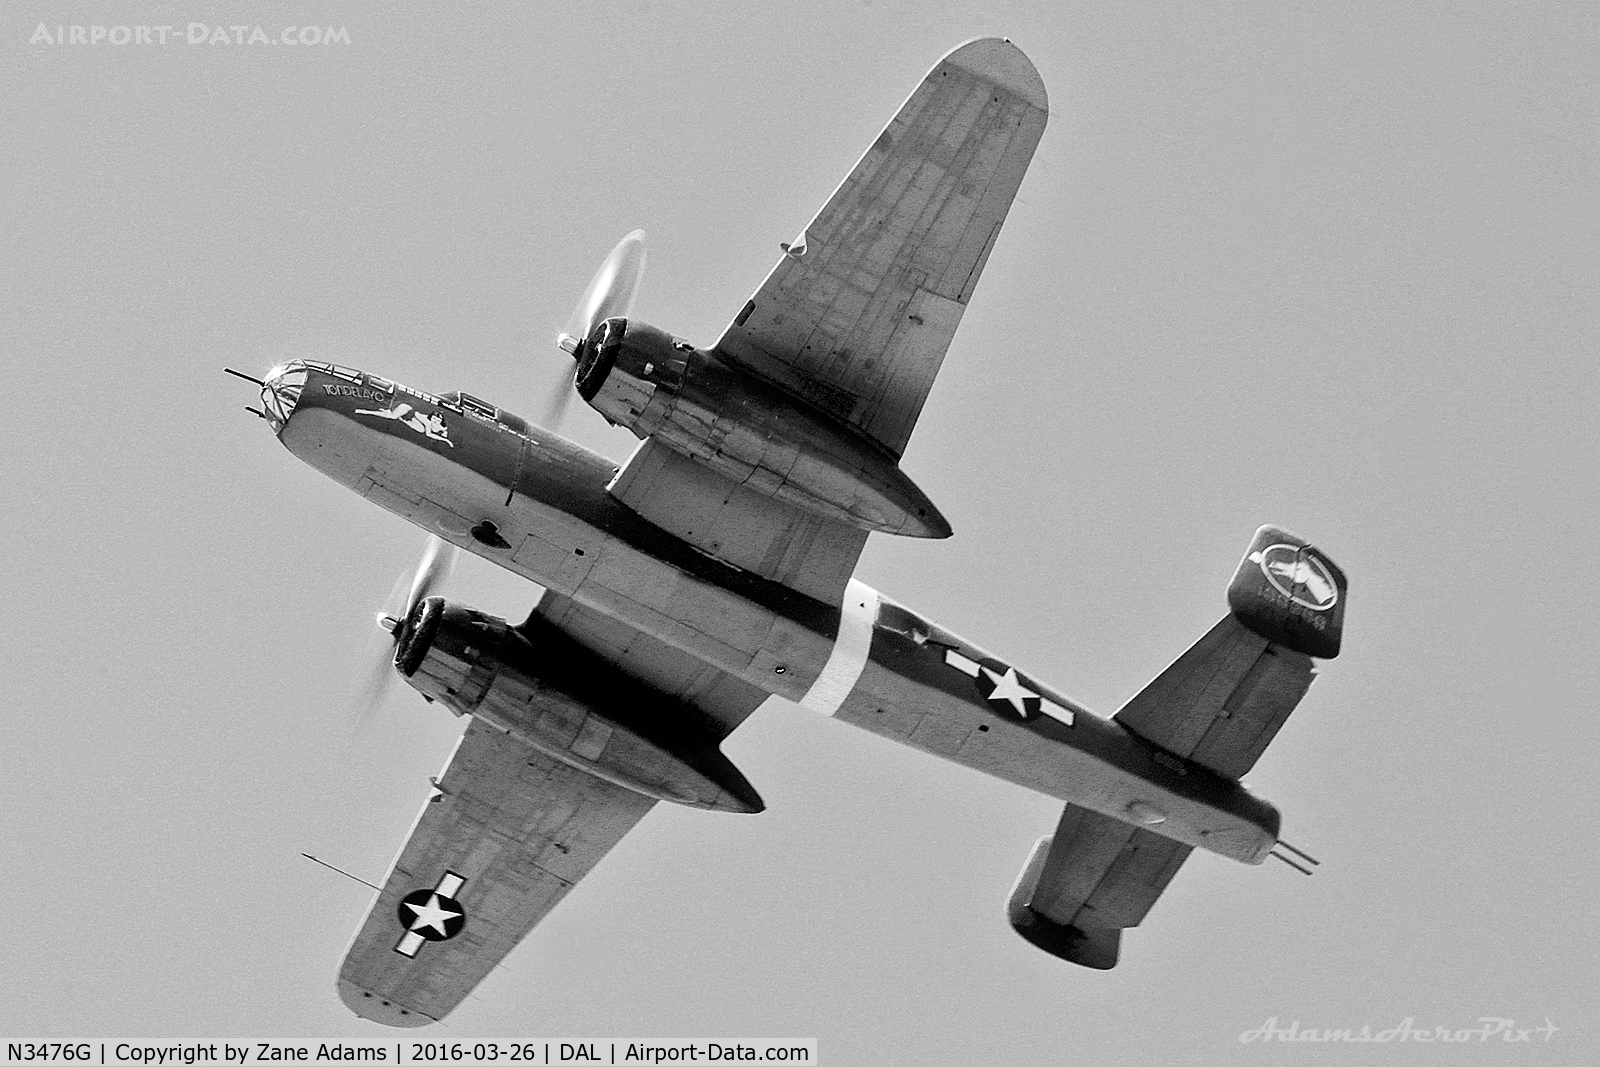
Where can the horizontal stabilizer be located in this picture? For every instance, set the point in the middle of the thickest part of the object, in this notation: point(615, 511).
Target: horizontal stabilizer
point(1222, 702)
point(1081, 888)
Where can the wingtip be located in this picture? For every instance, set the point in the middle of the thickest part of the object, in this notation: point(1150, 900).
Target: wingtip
point(997, 60)
point(374, 1008)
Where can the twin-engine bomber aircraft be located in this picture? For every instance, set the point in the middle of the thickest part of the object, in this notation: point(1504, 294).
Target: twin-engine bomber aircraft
point(714, 570)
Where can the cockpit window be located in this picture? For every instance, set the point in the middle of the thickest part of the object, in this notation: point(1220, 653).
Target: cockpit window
point(347, 373)
point(472, 405)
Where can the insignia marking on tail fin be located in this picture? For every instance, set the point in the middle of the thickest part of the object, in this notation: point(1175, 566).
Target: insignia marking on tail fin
point(1304, 579)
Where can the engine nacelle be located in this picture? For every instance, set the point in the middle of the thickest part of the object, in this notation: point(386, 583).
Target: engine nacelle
point(546, 690)
point(748, 430)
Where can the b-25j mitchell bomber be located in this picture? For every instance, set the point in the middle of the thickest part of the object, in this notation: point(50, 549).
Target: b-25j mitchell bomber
point(715, 569)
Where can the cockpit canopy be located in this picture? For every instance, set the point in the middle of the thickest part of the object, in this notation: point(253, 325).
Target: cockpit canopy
point(284, 383)
point(281, 391)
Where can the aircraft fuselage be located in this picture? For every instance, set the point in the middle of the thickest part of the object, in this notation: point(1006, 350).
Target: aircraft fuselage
point(538, 505)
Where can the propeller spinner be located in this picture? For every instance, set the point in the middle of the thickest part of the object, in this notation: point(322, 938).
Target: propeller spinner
point(609, 294)
point(438, 559)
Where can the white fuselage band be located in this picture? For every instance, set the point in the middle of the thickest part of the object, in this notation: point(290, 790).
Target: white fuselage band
point(858, 612)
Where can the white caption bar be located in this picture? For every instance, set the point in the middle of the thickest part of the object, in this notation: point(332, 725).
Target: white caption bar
point(413, 1051)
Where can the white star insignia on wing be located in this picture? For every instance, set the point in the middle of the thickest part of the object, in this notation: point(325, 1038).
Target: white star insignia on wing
point(431, 914)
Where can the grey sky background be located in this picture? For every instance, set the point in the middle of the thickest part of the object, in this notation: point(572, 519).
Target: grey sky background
point(1332, 266)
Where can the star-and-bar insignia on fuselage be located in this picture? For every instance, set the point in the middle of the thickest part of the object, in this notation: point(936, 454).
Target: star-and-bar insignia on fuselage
point(431, 914)
point(1005, 689)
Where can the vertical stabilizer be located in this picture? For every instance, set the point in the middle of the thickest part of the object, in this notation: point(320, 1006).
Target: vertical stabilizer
point(1289, 592)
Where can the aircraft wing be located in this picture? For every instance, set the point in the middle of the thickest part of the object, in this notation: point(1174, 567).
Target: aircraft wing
point(857, 315)
point(510, 832)
point(1096, 877)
